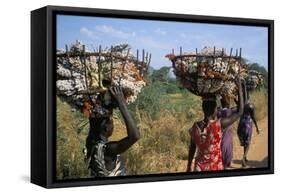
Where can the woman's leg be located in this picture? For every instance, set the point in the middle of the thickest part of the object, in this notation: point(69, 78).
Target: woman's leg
point(246, 150)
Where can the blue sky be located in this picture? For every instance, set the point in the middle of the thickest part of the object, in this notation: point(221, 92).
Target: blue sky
point(160, 37)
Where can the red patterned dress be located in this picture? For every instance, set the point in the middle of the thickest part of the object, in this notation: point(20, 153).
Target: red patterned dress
point(208, 143)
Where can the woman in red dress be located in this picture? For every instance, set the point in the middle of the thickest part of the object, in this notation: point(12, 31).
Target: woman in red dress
point(206, 135)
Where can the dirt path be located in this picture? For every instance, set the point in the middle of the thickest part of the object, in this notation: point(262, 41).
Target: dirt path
point(258, 153)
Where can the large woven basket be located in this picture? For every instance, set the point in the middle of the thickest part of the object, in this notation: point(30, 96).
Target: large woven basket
point(209, 72)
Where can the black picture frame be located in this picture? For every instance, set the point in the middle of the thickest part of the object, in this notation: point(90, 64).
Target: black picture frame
point(43, 100)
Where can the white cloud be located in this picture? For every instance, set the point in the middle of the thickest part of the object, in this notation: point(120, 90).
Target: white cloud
point(143, 31)
point(197, 37)
point(109, 30)
point(148, 41)
point(91, 34)
point(160, 32)
point(182, 35)
point(102, 30)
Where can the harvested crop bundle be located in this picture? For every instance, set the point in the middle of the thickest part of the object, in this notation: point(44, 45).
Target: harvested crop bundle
point(83, 77)
point(209, 71)
point(254, 80)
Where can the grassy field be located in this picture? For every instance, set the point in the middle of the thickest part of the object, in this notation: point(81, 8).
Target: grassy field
point(164, 137)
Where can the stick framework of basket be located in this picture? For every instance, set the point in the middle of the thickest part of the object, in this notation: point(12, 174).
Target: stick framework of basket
point(83, 77)
point(209, 71)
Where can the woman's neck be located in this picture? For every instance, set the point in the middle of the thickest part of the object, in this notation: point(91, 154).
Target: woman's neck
point(100, 138)
point(103, 138)
point(210, 118)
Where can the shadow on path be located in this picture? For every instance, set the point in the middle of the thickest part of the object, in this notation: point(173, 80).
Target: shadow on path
point(253, 163)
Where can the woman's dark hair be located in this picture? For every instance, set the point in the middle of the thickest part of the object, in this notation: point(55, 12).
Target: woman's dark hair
point(249, 109)
point(209, 106)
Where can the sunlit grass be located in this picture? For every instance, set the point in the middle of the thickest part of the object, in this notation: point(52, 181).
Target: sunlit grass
point(164, 139)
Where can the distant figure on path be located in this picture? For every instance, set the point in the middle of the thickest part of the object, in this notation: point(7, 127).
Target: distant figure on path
point(245, 129)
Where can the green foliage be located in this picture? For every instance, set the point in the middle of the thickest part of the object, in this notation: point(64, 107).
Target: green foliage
point(161, 93)
point(161, 75)
point(173, 87)
point(258, 67)
point(151, 100)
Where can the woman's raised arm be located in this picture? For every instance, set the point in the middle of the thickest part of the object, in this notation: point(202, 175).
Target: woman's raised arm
point(225, 122)
point(133, 134)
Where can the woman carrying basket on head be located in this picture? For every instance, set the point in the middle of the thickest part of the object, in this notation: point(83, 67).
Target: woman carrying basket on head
point(206, 135)
point(227, 136)
point(103, 156)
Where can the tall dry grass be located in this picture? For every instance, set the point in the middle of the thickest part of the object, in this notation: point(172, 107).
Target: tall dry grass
point(162, 146)
point(164, 139)
point(69, 155)
point(260, 100)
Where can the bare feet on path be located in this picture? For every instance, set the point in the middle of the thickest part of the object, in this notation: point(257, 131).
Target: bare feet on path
point(258, 153)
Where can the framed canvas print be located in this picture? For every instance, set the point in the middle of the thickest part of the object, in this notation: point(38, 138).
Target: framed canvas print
point(125, 96)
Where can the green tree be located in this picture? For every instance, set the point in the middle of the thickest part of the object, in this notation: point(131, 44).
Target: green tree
point(161, 75)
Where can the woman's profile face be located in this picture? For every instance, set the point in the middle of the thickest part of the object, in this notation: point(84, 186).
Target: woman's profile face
point(215, 111)
point(225, 104)
point(109, 128)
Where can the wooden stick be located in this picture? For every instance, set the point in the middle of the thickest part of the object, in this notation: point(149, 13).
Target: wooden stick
point(128, 52)
point(71, 70)
point(142, 64)
point(214, 54)
point(180, 51)
point(148, 63)
point(125, 61)
point(193, 55)
point(124, 64)
point(146, 57)
point(66, 51)
point(85, 92)
point(85, 70)
point(230, 55)
point(99, 66)
point(137, 59)
point(111, 65)
point(196, 53)
point(240, 53)
point(240, 59)
point(106, 55)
